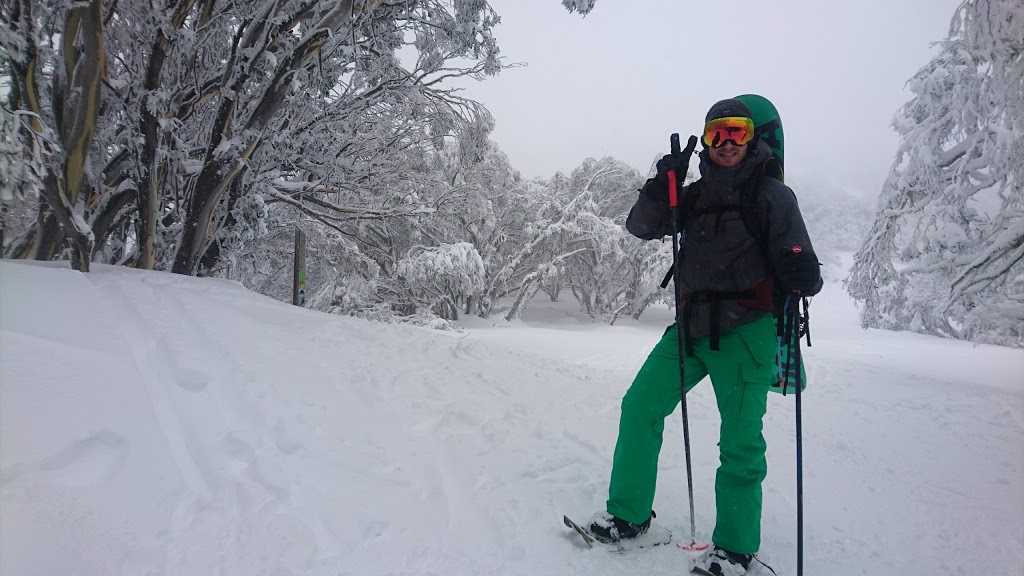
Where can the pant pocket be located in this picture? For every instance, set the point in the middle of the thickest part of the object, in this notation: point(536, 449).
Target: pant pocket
point(761, 345)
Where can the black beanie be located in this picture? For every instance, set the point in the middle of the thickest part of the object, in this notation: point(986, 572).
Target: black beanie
point(728, 108)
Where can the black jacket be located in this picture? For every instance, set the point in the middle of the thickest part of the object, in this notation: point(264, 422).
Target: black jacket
point(718, 252)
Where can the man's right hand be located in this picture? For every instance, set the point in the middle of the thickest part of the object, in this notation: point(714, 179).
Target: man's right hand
point(657, 188)
point(676, 162)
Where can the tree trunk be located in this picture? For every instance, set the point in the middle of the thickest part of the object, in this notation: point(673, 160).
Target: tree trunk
point(526, 293)
point(49, 237)
point(76, 104)
point(152, 173)
point(110, 212)
point(21, 247)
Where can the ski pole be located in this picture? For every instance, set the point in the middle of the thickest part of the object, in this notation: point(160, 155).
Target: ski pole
point(673, 200)
point(793, 337)
point(800, 450)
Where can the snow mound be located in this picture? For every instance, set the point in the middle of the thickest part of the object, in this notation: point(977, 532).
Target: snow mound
point(159, 424)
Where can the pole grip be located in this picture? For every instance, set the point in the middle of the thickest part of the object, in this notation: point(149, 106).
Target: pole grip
point(673, 182)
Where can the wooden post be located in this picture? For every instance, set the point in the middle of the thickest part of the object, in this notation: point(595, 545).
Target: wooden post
point(299, 275)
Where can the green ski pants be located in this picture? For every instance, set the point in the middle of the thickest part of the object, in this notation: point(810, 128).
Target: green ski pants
point(741, 373)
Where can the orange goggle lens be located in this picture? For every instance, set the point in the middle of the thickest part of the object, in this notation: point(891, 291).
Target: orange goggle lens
point(738, 129)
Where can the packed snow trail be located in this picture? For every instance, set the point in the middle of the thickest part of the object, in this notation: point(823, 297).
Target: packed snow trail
point(157, 424)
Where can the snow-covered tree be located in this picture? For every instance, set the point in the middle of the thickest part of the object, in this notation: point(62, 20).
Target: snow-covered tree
point(54, 139)
point(606, 259)
point(21, 170)
point(442, 277)
point(155, 121)
point(945, 255)
point(489, 206)
point(582, 6)
point(535, 251)
point(577, 243)
point(196, 136)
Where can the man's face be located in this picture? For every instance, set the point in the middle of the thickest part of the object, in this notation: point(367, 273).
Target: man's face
point(728, 155)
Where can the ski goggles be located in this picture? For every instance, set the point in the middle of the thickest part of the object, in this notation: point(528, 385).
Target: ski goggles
point(736, 128)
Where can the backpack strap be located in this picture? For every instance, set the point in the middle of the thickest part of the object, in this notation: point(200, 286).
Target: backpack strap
point(749, 211)
point(715, 299)
point(690, 200)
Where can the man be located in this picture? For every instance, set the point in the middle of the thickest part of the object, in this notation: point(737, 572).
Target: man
point(726, 293)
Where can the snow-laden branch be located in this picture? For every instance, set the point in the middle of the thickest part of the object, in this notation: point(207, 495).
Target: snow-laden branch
point(946, 248)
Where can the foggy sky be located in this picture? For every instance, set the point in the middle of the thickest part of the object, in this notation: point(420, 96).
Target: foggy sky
point(619, 81)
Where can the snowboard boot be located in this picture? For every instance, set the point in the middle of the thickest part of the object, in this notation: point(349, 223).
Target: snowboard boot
point(721, 562)
point(608, 528)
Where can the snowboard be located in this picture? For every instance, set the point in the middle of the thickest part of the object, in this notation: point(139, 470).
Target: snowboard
point(655, 536)
point(768, 126)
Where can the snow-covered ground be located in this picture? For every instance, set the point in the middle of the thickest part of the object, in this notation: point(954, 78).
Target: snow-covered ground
point(157, 424)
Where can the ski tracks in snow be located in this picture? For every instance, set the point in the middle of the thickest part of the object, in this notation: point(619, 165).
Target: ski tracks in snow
point(155, 375)
point(444, 435)
point(234, 493)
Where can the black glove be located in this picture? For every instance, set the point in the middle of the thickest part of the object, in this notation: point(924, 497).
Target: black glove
point(799, 271)
point(657, 187)
point(677, 162)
